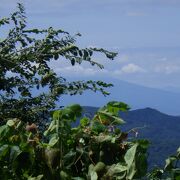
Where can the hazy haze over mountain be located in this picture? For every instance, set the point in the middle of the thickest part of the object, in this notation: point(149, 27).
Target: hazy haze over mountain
point(134, 95)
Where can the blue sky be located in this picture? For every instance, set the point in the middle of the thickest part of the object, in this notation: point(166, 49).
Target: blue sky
point(145, 33)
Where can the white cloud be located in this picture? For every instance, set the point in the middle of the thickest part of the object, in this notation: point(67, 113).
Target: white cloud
point(167, 68)
point(129, 69)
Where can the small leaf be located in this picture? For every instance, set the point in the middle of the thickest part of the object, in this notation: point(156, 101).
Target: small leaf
point(80, 53)
point(73, 61)
point(53, 141)
point(36, 178)
point(84, 122)
point(10, 123)
point(64, 175)
point(50, 129)
point(4, 150)
point(56, 56)
point(170, 162)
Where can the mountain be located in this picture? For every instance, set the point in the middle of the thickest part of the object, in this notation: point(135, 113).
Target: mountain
point(135, 95)
point(162, 130)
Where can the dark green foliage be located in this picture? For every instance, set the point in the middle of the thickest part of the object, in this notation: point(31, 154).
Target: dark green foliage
point(69, 153)
point(95, 149)
point(171, 169)
point(24, 67)
point(160, 129)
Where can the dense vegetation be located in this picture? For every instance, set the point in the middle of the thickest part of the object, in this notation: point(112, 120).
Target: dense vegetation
point(29, 87)
point(95, 149)
point(146, 123)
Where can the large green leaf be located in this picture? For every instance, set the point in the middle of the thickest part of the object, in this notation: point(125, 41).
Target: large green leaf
point(115, 106)
point(15, 152)
point(69, 159)
point(120, 171)
point(131, 171)
point(130, 155)
point(110, 117)
point(130, 158)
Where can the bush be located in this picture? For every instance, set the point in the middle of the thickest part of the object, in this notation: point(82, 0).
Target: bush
point(95, 149)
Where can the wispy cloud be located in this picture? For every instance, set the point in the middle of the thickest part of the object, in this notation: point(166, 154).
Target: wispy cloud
point(167, 68)
point(129, 69)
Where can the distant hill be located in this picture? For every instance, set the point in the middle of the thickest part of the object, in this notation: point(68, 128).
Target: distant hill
point(161, 129)
point(136, 96)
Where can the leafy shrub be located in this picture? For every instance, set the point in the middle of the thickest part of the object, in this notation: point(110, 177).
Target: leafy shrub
point(96, 149)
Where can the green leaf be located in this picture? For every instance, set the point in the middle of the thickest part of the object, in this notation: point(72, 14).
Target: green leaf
point(131, 171)
point(143, 143)
point(4, 150)
point(76, 108)
point(120, 171)
point(14, 152)
point(130, 155)
point(97, 127)
point(84, 122)
point(170, 163)
point(57, 114)
point(69, 159)
point(64, 175)
point(51, 129)
point(115, 107)
point(103, 138)
point(5, 131)
point(10, 123)
point(100, 166)
point(78, 178)
point(93, 175)
point(36, 178)
point(113, 120)
point(53, 141)
point(116, 171)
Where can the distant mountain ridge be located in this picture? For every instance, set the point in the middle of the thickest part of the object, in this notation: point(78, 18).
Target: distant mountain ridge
point(134, 95)
point(162, 130)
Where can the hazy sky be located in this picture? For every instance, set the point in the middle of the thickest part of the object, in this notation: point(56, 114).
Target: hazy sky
point(145, 33)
